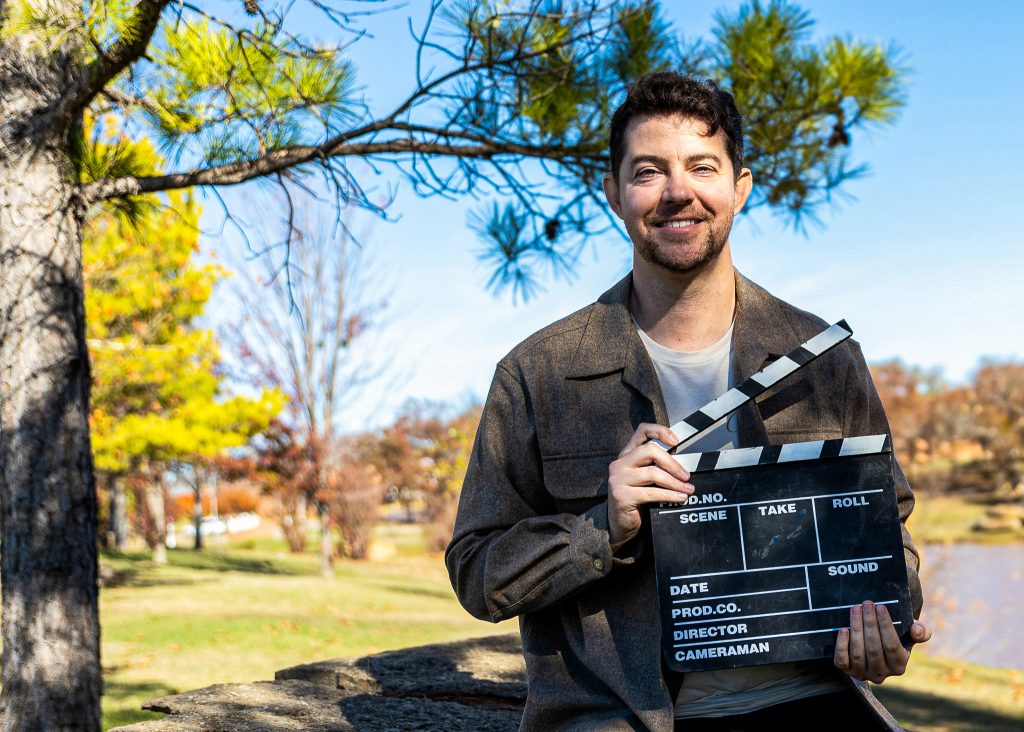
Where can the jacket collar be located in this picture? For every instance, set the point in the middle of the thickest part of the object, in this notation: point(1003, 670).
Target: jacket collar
point(610, 343)
point(608, 334)
point(762, 332)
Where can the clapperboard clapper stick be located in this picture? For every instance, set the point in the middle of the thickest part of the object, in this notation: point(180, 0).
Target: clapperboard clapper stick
point(694, 425)
point(762, 564)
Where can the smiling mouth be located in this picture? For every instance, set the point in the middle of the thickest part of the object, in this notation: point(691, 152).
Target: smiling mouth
point(677, 224)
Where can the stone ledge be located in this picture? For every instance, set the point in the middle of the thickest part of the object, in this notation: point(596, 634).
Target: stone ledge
point(476, 684)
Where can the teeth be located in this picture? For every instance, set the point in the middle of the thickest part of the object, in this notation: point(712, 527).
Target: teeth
point(679, 224)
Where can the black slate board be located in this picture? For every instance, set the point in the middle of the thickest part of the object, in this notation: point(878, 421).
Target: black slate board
point(766, 566)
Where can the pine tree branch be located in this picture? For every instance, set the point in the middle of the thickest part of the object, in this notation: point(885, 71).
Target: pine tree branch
point(128, 102)
point(279, 160)
point(113, 60)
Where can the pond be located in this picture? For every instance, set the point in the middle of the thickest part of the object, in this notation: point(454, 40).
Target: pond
point(974, 595)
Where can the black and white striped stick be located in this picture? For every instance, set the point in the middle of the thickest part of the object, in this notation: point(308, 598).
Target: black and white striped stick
point(707, 416)
point(791, 452)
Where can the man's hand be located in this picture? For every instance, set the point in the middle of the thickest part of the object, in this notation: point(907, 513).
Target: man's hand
point(643, 473)
point(870, 648)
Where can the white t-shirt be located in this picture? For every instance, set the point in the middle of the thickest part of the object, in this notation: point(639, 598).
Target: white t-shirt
point(689, 380)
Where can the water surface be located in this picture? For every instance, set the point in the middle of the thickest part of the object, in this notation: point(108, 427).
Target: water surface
point(974, 599)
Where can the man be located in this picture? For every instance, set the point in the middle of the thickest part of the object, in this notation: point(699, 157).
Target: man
point(549, 526)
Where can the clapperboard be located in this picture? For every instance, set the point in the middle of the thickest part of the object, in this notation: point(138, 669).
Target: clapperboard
point(764, 561)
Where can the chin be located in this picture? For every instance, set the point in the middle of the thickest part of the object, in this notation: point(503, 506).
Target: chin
point(684, 265)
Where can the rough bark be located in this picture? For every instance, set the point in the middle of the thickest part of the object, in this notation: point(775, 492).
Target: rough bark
point(51, 670)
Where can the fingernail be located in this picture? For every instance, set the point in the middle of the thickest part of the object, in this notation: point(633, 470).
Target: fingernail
point(855, 610)
point(881, 612)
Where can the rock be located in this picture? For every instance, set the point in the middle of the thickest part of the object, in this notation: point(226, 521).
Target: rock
point(477, 684)
point(1001, 518)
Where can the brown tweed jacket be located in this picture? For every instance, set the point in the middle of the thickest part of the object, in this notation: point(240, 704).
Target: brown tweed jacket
point(531, 536)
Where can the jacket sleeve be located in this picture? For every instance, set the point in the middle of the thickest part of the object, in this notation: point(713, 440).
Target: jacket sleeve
point(865, 415)
point(511, 552)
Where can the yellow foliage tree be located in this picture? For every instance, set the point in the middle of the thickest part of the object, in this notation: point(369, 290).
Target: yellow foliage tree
point(157, 394)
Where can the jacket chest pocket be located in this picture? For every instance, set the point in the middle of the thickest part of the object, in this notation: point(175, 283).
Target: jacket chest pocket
point(577, 482)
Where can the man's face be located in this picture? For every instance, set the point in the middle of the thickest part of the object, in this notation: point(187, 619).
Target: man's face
point(676, 191)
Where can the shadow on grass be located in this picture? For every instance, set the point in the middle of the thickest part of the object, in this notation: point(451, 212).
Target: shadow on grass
point(920, 711)
point(136, 569)
point(122, 702)
point(214, 561)
point(138, 576)
point(418, 591)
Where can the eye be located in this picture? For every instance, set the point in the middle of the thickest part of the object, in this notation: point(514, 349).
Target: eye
point(645, 173)
point(704, 170)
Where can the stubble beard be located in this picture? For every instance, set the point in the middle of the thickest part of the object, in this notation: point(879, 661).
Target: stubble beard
point(709, 250)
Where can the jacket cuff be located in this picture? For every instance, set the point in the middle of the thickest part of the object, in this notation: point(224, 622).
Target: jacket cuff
point(589, 546)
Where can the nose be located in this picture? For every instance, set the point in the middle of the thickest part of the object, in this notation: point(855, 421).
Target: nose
point(677, 190)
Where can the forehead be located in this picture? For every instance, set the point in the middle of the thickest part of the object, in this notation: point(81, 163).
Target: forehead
point(671, 136)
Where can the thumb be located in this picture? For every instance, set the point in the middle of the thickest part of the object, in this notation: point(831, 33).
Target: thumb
point(919, 632)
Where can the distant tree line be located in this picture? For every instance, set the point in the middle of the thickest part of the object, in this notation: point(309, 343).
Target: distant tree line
point(963, 437)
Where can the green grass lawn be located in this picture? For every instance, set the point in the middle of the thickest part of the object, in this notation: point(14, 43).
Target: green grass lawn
point(239, 613)
point(947, 695)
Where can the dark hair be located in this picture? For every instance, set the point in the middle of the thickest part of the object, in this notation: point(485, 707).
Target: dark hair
point(672, 93)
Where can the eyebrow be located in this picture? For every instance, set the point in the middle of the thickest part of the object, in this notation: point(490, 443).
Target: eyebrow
point(658, 160)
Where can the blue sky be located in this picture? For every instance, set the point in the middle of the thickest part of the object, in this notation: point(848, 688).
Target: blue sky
point(925, 261)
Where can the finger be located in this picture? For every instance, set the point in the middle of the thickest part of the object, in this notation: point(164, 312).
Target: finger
point(875, 656)
point(651, 494)
point(646, 431)
point(653, 475)
point(652, 455)
point(857, 665)
point(669, 464)
point(628, 488)
point(644, 455)
point(873, 652)
point(841, 658)
point(896, 656)
point(920, 633)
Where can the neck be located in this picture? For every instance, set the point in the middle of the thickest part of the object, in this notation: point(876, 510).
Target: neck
point(684, 311)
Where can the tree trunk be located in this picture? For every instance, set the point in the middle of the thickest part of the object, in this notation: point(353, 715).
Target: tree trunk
point(51, 670)
point(118, 513)
point(213, 486)
point(326, 549)
point(302, 518)
point(197, 512)
point(155, 504)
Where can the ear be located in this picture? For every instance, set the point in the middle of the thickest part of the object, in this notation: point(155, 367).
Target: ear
point(611, 193)
point(744, 185)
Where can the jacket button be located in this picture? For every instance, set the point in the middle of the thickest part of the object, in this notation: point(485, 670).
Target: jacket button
point(599, 565)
